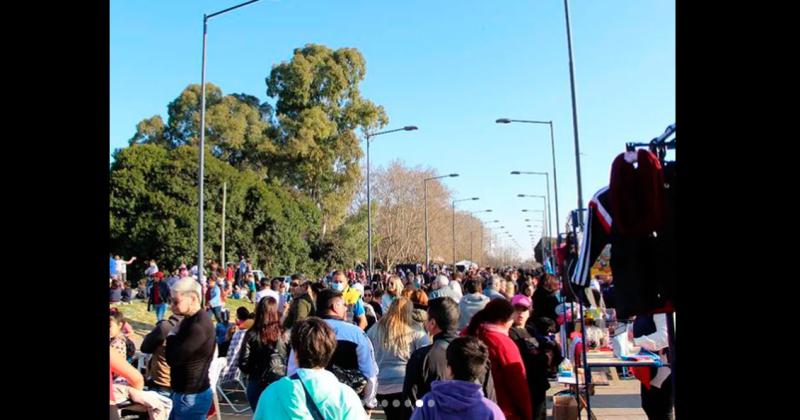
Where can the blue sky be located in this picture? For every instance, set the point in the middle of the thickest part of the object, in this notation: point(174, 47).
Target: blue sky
point(450, 67)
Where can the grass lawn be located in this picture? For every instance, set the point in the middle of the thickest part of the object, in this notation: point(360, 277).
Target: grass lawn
point(143, 322)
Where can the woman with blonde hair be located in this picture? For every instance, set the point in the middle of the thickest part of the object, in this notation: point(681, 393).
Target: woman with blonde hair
point(394, 338)
point(394, 288)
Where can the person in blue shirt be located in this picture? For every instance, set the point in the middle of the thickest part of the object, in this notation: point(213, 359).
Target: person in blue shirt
point(354, 350)
point(112, 267)
point(214, 301)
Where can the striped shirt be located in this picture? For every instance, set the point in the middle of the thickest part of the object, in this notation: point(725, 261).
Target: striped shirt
point(597, 236)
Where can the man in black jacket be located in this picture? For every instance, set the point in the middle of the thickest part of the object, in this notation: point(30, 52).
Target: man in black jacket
point(154, 344)
point(429, 363)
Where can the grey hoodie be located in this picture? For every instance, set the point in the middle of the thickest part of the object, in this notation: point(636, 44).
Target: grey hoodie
point(469, 305)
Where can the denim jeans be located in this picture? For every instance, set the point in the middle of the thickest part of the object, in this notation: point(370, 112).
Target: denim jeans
point(217, 311)
point(253, 392)
point(190, 406)
point(160, 309)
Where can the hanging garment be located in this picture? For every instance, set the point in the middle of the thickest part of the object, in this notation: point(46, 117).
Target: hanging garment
point(637, 194)
point(598, 235)
point(643, 266)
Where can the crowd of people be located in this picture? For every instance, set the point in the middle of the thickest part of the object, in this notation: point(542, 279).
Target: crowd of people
point(480, 344)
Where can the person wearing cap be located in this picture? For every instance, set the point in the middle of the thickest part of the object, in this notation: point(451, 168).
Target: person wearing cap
point(536, 360)
point(442, 289)
point(159, 296)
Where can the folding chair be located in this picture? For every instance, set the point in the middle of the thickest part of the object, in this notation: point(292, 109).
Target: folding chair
point(214, 371)
point(231, 373)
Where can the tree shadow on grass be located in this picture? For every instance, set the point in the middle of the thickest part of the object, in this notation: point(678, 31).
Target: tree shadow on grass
point(141, 328)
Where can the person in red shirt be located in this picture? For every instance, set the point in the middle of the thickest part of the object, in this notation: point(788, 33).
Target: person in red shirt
point(491, 325)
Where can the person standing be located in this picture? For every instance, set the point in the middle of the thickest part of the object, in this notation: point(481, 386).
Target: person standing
point(394, 338)
point(155, 343)
point(265, 289)
point(264, 353)
point(394, 288)
point(159, 296)
point(471, 303)
point(493, 286)
point(242, 268)
point(354, 351)
point(429, 363)
point(442, 289)
point(352, 298)
point(545, 300)
point(491, 325)
point(122, 267)
point(650, 333)
point(310, 391)
point(460, 396)
point(537, 359)
point(189, 352)
point(214, 299)
point(301, 307)
point(112, 266)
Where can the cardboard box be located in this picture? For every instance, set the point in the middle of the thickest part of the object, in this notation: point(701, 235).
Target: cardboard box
point(565, 407)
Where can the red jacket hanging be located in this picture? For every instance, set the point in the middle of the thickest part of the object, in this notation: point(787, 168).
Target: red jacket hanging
point(637, 194)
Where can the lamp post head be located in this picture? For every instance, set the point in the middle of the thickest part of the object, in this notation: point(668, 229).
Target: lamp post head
point(474, 198)
point(488, 210)
point(452, 175)
point(524, 210)
point(410, 127)
point(515, 172)
point(503, 121)
point(520, 195)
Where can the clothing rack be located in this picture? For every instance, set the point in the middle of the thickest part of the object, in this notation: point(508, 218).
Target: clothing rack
point(659, 146)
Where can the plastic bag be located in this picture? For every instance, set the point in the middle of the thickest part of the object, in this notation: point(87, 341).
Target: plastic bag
point(565, 368)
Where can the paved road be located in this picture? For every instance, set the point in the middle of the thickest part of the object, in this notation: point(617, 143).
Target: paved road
point(619, 401)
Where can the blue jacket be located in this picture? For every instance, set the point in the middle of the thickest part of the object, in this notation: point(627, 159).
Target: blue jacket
point(286, 399)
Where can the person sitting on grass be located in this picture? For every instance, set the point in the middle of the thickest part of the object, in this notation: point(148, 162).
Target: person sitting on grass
point(115, 293)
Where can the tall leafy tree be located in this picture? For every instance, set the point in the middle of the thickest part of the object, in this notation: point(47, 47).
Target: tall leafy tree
point(319, 107)
point(238, 129)
point(153, 207)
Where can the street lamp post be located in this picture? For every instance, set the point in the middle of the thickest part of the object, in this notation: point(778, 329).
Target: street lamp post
point(575, 131)
point(482, 223)
point(544, 230)
point(369, 137)
point(547, 187)
point(470, 233)
point(454, 226)
point(548, 233)
point(427, 243)
point(200, 172)
point(552, 152)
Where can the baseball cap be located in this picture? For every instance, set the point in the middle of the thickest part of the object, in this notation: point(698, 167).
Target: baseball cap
point(521, 300)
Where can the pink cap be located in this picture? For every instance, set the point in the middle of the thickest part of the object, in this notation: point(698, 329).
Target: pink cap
point(521, 300)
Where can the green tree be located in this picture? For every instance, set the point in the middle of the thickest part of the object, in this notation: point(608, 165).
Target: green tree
point(238, 128)
point(153, 207)
point(319, 107)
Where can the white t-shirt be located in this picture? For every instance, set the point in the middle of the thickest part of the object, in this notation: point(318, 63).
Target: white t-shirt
point(267, 292)
point(122, 268)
